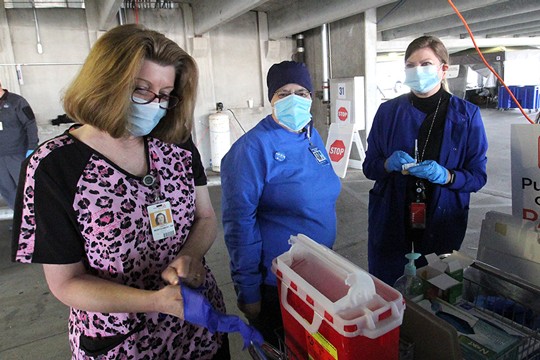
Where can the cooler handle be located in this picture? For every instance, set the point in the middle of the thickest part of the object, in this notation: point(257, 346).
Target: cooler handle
point(317, 320)
point(374, 331)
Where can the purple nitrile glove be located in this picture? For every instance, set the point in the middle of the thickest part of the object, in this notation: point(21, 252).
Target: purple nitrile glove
point(430, 170)
point(398, 158)
point(199, 311)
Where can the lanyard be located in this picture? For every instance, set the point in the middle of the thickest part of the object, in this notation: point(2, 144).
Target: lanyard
point(419, 160)
point(307, 130)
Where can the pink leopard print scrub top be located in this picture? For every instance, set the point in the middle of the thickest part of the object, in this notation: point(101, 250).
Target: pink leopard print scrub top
point(75, 205)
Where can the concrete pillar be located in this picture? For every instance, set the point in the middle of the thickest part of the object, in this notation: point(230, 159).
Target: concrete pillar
point(8, 73)
point(267, 51)
point(92, 22)
point(370, 65)
point(200, 49)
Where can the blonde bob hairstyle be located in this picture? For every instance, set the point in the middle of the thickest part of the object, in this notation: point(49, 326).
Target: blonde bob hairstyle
point(436, 45)
point(100, 95)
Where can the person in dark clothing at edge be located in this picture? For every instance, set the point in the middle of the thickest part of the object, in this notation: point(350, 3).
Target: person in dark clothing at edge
point(18, 139)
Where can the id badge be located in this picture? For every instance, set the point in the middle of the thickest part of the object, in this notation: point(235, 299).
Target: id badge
point(319, 156)
point(418, 215)
point(161, 220)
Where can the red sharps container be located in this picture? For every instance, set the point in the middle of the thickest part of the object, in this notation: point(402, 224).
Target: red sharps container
point(333, 309)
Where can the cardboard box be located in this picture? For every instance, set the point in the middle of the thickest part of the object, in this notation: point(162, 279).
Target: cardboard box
point(480, 338)
point(443, 277)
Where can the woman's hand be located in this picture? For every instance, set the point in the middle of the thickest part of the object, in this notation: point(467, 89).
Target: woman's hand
point(397, 160)
point(431, 171)
point(169, 301)
point(186, 268)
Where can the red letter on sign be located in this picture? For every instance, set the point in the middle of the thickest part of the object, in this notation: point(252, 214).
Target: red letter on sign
point(529, 214)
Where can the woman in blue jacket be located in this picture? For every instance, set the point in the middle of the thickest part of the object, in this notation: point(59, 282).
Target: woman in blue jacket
point(443, 136)
point(277, 181)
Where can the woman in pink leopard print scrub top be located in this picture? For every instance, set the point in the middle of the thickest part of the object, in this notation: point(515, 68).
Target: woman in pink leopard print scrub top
point(87, 205)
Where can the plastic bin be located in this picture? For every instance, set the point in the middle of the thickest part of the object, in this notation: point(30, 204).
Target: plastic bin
point(505, 101)
point(332, 309)
point(531, 97)
point(528, 96)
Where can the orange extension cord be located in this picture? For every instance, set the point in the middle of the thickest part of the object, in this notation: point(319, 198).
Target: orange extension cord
point(486, 63)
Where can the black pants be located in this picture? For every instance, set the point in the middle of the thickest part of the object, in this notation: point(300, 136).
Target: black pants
point(224, 352)
point(269, 321)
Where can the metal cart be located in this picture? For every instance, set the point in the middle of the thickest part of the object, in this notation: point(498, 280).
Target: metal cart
point(509, 299)
point(488, 290)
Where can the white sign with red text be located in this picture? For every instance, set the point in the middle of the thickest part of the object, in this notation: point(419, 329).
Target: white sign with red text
point(525, 161)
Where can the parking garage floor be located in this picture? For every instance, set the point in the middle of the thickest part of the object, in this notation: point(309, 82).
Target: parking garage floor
point(33, 324)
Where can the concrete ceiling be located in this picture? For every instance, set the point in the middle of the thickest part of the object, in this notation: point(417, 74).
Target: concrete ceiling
point(493, 22)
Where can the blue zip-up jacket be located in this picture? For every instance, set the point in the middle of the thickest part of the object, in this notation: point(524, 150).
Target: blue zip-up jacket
point(463, 150)
point(272, 188)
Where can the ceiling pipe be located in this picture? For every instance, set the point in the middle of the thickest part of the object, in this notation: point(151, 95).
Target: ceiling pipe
point(121, 16)
point(39, 46)
point(299, 56)
point(325, 67)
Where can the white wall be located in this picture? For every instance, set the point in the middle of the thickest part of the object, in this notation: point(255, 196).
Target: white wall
point(521, 67)
point(169, 22)
point(521, 72)
point(64, 39)
point(232, 69)
point(235, 49)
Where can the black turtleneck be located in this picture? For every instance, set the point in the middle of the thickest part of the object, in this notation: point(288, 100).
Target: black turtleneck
point(433, 138)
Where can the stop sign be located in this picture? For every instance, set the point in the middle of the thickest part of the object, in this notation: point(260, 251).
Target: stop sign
point(342, 113)
point(337, 150)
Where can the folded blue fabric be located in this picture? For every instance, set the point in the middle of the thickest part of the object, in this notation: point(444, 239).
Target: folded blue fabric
point(199, 311)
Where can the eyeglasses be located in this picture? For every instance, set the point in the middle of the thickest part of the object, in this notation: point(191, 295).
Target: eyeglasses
point(284, 93)
point(144, 96)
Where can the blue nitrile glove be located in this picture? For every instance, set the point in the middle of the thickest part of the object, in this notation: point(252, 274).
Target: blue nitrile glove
point(29, 152)
point(398, 158)
point(199, 311)
point(430, 170)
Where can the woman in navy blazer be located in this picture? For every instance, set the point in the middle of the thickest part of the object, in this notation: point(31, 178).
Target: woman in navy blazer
point(441, 140)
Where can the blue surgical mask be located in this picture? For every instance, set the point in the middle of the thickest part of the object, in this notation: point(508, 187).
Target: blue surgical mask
point(293, 112)
point(422, 79)
point(144, 118)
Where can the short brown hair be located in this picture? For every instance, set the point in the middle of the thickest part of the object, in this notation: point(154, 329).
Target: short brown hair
point(100, 95)
point(435, 44)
